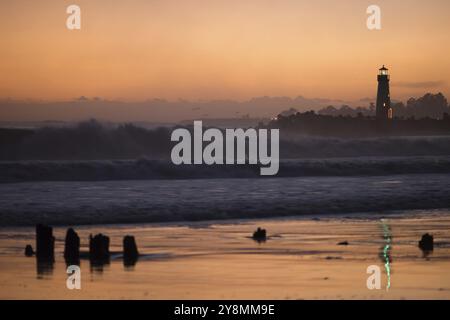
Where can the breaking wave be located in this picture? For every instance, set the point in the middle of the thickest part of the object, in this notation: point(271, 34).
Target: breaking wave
point(146, 169)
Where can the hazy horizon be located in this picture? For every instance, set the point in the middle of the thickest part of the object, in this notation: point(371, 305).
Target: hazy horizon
point(161, 110)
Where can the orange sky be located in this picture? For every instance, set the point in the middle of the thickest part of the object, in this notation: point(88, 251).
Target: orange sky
point(215, 49)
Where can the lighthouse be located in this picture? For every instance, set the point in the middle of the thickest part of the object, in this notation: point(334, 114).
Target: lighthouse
point(384, 110)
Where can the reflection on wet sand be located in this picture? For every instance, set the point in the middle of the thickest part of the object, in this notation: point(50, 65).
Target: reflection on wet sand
point(44, 269)
point(386, 251)
point(98, 267)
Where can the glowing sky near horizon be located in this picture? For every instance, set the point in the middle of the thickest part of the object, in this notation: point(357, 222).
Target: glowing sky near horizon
point(221, 49)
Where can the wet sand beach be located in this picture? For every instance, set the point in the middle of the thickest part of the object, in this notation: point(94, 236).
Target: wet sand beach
point(301, 259)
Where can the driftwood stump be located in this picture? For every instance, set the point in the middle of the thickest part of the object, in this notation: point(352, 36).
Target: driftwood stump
point(72, 247)
point(99, 249)
point(45, 243)
point(130, 251)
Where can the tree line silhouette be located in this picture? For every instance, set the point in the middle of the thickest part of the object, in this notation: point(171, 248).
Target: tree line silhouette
point(428, 115)
point(430, 105)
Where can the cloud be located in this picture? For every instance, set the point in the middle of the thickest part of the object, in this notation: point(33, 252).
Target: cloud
point(419, 85)
point(367, 99)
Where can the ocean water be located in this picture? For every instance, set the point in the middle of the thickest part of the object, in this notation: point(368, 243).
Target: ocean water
point(138, 201)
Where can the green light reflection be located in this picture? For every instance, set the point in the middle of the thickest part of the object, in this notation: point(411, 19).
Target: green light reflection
point(386, 252)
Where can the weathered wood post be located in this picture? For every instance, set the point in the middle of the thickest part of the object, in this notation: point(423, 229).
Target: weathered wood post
point(45, 243)
point(29, 250)
point(72, 247)
point(99, 249)
point(130, 251)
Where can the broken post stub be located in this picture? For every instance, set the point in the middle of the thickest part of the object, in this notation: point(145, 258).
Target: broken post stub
point(72, 247)
point(130, 251)
point(29, 250)
point(259, 235)
point(99, 249)
point(427, 242)
point(45, 243)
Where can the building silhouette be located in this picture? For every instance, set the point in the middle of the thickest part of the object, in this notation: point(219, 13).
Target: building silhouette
point(383, 107)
